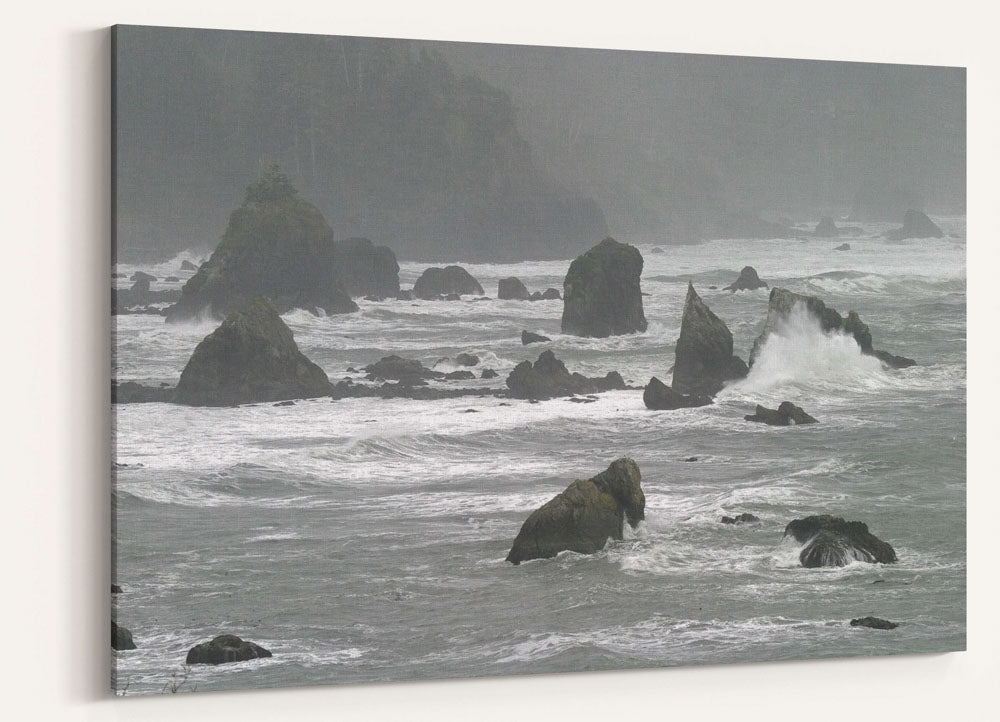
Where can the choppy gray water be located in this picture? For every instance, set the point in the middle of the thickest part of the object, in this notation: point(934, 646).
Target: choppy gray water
point(363, 540)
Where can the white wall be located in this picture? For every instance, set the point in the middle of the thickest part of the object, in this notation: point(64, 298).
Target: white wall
point(54, 245)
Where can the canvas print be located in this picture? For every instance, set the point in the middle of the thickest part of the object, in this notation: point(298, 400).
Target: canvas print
point(440, 359)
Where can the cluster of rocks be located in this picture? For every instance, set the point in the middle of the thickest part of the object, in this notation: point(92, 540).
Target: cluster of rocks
point(512, 289)
point(548, 378)
point(787, 414)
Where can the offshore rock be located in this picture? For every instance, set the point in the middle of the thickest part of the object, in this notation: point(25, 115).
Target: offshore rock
point(744, 518)
point(549, 294)
point(186, 265)
point(224, 649)
point(787, 414)
point(601, 293)
point(527, 337)
point(408, 372)
point(660, 397)
point(121, 638)
point(915, 225)
point(748, 281)
point(826, 228)
point(843, 247)
point(512, 289)
point(365, 269)
point(873, 623)
point(130, 392)
point(548, 378)
point(704, 354)
point(832, 542)
point(452, 281)
point(251, 357)
point(584, 516)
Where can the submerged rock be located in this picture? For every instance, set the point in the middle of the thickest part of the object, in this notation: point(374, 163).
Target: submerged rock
point(527, 337)
point(548, 378)
point(448, 281)
point(584, 516)
point(660, 397)
point(224, 649)
point(276, 245)
point(251, 357)
point(787, 414)
point(873, 623)
point(832, 542)
point(602, 296)
point(748, 281)
point(744, 518)
point(915, 225)
point(121, 638)
point(512, 289)
point(826, 228)
point(779, 308)
point(843, 247)
point(704, 354)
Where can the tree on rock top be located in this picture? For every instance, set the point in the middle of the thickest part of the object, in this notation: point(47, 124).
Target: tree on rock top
point(251, 357)
point(601, 294)
point(277, 245)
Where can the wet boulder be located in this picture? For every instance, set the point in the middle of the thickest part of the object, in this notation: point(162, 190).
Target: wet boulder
point(548, 378)
point(826, 228)
point(466, 359)
point(251, 357)
point(408, 372)
point(448, 281)
point(915, 225)
point(584, 516)
point(748, 281)
point(873, 623)
point(704, 358)
point(512, 289)
point(744, 518)
point(830, 541)
point(121, 638)
point(488, 374)
point(787, 414)
point(527, 337)
point(660, 397)
point(601, 293)
point(224, 649)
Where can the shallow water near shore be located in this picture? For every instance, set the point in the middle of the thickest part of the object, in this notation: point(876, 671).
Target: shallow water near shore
point(364, 540)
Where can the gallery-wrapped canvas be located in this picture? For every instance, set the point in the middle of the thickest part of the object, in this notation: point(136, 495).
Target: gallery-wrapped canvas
point(437, 360)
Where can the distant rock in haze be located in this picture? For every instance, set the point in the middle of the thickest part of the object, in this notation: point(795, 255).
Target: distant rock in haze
point(660, 397)
point(748, 281)
point(843, 247)
point(512, 289)
point(276, 245)
point(365, 269)
point(826, 228)
point(527, 337)
point(601, 294)
point(224, 649)
point(787, 414)
point(744, 518)
point(779, 308)
point(704, 358)
point(251, 357)
point(451, 280)
point(186, 265)
point(584, 516)
point(744, 224)
point(488, 374)
point(548, 378)
point(832, 542)
point(915, 225)
point(121, 638)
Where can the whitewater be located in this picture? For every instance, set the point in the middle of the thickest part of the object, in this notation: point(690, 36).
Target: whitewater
point(363, 540)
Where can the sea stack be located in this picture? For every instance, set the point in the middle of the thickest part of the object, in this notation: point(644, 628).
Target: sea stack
point(584, 516)
point(704, 356)
point(748, 281)
point(512, 289)
point(276, 245)
point(450, 280)
point(365, 269)
point(252, 357)
point(915, 225)
point(830, 541)
point(601, 294)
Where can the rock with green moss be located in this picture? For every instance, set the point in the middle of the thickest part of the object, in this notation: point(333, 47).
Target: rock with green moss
point(584, 516)
point(224, 649)
point(252, 357)
point(781, 304)
point(704, 358)
point(277, 245)
point(830, 541)
point(548, 378)
point(601, 293)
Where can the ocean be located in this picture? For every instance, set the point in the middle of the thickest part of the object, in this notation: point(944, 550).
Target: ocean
point(363, 540)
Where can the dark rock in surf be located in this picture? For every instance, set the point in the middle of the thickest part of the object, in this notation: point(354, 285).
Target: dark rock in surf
point(459, 376)
point(121, 638)
point(548, 378)
point(744, 518)
point(660, 397)
point(787, 414)
point(832, 542)
point(224, 649)
point(186, 265)
point(779, 308)
point(285, 403)
point(408, 372)
point(466, 359)
point(704, 354)
point(690, 459)
point(873, 623)
point(584, 516)
point(657, 249)
point(171, 279)
point(826, 228)
point(549, 294)
point(527, 337)
point(748, 281)
point(115, 589)
point(448, 281)
point(251, 357)
point(142, 276)
point(365, 269)
point(488, 374)
point(915, 225)
point(843, 247)
point(601, 293)
point(406, 295)
point(512, 289)
point(131, 392)
point(276, 245)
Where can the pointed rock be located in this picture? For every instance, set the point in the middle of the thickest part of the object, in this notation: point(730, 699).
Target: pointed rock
point(704, 355)
point(915, 225)
point(660, 397)
point(748, 281)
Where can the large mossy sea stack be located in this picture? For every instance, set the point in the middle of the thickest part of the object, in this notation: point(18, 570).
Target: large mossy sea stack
point(224, 649)
point(601, 293)
point(584, 516)
point(276, 245)
point(252, 357)
point(782, 302)
point(704, 358)
point(830, 541)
